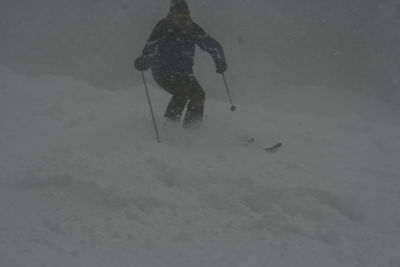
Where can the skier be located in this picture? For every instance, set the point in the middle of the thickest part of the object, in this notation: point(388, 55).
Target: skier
point(169, 52)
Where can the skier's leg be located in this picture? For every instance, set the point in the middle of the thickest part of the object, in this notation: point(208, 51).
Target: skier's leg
point(195, 110)
point(175, 108)
point(174, 86)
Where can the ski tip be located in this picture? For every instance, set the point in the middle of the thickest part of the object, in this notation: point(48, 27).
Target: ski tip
point(273, 148)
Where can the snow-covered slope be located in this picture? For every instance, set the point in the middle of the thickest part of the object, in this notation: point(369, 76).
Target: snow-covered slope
point(83, 183)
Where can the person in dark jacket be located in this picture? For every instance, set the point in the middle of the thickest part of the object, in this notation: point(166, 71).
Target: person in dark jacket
point(169, 52)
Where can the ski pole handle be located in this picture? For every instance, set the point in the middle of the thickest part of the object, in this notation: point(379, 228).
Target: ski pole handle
point(233, 107)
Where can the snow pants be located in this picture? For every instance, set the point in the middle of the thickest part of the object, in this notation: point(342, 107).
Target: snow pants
point(185, 90)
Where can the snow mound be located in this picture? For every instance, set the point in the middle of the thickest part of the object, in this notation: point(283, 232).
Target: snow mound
point(83, 182)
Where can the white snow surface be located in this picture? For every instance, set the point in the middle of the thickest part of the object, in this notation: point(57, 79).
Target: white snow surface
point(84, 183)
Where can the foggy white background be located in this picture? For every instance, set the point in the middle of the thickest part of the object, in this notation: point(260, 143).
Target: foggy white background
point(84, 183)
point(352, 44)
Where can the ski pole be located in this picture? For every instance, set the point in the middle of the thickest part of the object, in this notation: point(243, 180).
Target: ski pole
point(151, 107)
point(233, 107)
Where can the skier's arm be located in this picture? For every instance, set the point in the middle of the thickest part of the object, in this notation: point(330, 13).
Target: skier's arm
point(210, 45)
point(153, 44)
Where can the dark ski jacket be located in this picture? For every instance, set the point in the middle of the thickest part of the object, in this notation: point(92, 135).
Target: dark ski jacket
point(171, 50)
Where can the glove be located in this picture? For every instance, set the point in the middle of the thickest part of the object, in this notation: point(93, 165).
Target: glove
point(140, 64)
point(221, 66)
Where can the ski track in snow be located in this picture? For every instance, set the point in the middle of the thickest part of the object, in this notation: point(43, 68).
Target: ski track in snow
point(83, 183)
